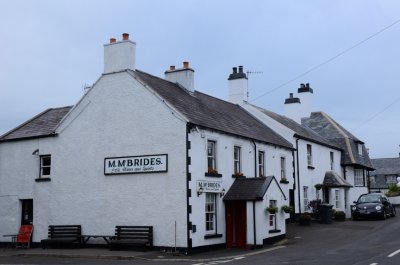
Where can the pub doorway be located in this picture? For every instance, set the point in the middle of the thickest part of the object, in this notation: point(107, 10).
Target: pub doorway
point(26, 212)
point(236, 224)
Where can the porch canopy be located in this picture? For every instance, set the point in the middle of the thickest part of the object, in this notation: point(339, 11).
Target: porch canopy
point(334, 180)
point(250, 189)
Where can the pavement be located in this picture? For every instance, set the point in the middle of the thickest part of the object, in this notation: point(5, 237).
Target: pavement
point(157, 255)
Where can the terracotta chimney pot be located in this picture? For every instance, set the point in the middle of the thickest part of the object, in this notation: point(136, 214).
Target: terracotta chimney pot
point(172, 68)
point(185, 65)
point(113, 40)
point(125, 36)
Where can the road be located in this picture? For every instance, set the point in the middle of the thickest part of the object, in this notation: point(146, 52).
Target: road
point(344, 243)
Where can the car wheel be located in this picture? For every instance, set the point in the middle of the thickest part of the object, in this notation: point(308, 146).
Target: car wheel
point(393, 212)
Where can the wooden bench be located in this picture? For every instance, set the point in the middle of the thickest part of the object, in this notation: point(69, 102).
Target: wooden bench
point(63, 235)
point(132, 236)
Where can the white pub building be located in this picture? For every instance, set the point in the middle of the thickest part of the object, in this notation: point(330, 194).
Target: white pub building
point(141, 150)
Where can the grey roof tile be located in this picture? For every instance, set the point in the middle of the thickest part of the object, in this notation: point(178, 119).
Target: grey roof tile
point(332, 131)
point(333, 179)
point(41, 125)
point(384, 167)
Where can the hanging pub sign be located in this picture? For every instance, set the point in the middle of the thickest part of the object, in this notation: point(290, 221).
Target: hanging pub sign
point(136, 164)
point(209, 186)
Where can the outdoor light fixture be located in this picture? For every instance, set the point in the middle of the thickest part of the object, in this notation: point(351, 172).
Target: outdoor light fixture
point(222, 193)
point(199, 191)
point(36, 152)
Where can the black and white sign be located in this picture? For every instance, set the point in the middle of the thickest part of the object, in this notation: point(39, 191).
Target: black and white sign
point(136, 164)
point(209, 186)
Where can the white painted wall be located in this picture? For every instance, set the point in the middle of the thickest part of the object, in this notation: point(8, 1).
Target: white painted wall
point(117, 117)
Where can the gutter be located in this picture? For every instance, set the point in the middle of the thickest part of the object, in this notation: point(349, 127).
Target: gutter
point(254, 203)
point(298, 173)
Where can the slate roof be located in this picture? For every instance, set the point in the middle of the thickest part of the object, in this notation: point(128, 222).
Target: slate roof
point(210, 112)
point(332, 131)
point(384, 167)
point(333, 179)
point(301, 131)
point(249, 189)
point(41, 125)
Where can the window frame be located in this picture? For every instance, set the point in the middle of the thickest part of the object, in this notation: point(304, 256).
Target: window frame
point(237, 160)
point(337, 199)
point(359, 180)
point(212, 156)
point(261, 163)
point(305, 198)
point(42, 166)
point(360, 149)
point(391, 179)
point(332, 160)
point(210, 213)
point(309, 155)
point(283, 168)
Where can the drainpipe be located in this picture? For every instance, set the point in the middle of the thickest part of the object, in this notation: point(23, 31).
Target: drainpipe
point(254, 224)
point(298, 173)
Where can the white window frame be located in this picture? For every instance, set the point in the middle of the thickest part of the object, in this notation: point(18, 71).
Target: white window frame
point(332, 160)
point(44, 166)
point(213, 155)
point(261, 163)
point(309, 155)
point(337, 199)
point(211, 213)
point(359, 177)
point(391, 179)
point(237, 161)
point(305, 198)
point(272, 216)
point(283, 168)
point(360, 149)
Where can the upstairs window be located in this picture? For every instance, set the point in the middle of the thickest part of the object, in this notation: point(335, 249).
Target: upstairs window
point(360, 149)
point(236, 161)
point(211, 156)
point(261, 163)
point(283, 168)
point(332, 160)
point(358, 177)
point(309, 156)
point(45, 166)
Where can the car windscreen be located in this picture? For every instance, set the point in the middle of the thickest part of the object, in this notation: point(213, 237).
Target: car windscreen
point(369, 198)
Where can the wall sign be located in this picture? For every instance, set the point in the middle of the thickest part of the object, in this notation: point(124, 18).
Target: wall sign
point(136, 164)
point(210, 186)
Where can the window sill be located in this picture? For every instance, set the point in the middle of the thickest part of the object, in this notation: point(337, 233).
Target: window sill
point(214, 175)
point(284, 181)
point(43, 179)
point(275, 231)
point(213, 236)
point(310, 167)
point(238, 176)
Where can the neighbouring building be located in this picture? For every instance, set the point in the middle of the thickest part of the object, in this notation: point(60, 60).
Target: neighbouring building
point(141, 150)
point(386, 172)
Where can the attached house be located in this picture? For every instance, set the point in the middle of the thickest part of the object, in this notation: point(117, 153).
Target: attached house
point(316, 160)
point(386, 172)
point(141, 150)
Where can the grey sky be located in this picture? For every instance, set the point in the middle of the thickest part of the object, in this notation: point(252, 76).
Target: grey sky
point(50, 49)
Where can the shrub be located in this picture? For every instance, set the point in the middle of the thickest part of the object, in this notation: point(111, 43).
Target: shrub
point(394, 190)
point(339, 216)
point(305, 219)
point(286, 208)
point(271, 209)
point(318, 186)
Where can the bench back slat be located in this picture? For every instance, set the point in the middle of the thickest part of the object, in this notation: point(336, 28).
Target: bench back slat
point(64, 231)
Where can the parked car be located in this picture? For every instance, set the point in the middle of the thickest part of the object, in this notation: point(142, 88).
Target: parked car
point(372, 205)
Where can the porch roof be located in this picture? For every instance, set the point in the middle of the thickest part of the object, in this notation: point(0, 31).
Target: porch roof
point(333, 179)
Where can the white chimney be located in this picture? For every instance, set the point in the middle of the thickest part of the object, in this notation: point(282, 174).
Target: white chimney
point(293, 108)
point(183, 76)
point(305, 93)
point(119, 55)
point(237, 86)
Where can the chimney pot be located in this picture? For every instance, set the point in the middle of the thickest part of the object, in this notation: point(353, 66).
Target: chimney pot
point(302, 86)
point(125, 36)
point(185, 65)
point(172, 68)
point(291, 95)
point(240, 69)
point(113, 40)
point(307, 85)
point(234, 70)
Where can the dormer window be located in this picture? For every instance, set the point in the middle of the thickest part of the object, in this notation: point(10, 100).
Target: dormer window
point(360, 149)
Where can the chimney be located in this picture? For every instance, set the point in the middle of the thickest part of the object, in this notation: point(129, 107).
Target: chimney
point(306, 97)
point(119, 55)
point(183, 76)
point(238, 91)
point(292, 108)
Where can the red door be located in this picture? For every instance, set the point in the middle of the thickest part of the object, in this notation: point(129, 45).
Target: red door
point(236, 224)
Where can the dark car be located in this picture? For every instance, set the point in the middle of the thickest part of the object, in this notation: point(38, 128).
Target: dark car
point(372, 205)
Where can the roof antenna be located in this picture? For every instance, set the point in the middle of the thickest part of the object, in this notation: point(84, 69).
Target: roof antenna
point(86, 88)
point(248, 73)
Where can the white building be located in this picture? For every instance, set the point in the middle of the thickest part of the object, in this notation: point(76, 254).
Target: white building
point(141, 150)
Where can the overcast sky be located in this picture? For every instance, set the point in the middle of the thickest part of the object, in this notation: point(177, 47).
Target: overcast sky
point(49, 50)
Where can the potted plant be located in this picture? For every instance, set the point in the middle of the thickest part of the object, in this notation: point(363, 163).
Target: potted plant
point(271, 209)
point(286, 208)
point(305, 219)
point(318, 186)
point(340, 216)
point(212, 171)
point(238, 174)
point(284, 180)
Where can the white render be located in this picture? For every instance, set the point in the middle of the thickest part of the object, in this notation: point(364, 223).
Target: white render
point(294, 111)
point(119, 56)
point(238, 91)
point(184, 77)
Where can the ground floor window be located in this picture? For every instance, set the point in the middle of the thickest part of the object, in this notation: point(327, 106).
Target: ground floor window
point(272, 217)
point(305, 198)
point(337, 199)
point(211, 212)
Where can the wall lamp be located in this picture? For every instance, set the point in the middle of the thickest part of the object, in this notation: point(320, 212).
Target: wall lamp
point(36, 152)
point(199, 191)
point(222, 193)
